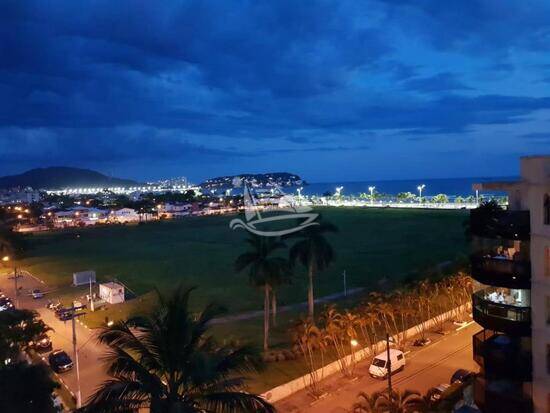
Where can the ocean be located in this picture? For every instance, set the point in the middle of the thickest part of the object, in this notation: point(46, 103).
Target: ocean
point(448, 186)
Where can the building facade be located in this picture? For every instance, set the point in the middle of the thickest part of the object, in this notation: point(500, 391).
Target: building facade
point(511, 262)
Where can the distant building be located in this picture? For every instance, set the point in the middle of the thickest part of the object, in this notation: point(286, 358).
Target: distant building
point(173, 210)
point(19, 196)
point(79, 216)
point(124, 215)
point(512, 261)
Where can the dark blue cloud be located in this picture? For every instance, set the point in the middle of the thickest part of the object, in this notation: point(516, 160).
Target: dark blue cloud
point(442, 82)
point(102, 82)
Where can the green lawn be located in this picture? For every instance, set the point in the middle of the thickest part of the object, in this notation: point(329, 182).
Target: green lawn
point(371, 244)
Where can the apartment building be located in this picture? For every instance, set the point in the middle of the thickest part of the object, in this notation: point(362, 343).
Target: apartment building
point(511, 262)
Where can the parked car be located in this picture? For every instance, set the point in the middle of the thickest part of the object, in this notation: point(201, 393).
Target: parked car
point(62, 314)
point(36, 294)
point(436, 392)
point(42, 343)
point(60, 361)
point(5, 304)
point(379, 365)
point(461, 376)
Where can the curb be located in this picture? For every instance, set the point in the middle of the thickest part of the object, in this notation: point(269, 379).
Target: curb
point(58, 377)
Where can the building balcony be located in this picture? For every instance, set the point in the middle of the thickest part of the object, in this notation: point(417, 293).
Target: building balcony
point(507, 315)
point(503, 357)
point(502, 396)
point(501, 272)
point(511, 225)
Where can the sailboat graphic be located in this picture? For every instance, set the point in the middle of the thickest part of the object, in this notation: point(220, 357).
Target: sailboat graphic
point(255, 221)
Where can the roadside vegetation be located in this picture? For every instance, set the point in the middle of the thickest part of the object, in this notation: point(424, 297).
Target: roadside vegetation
point(166, 361)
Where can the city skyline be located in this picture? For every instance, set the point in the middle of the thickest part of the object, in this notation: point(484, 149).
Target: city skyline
point(332, 91)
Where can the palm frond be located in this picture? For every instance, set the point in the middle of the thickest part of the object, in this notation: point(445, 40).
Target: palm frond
point(235, 402)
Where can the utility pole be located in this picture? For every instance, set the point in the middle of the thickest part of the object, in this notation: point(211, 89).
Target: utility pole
point(15, 283)
point(75, 351)
point(73, 315)
point(91, 296)
point(388, 365)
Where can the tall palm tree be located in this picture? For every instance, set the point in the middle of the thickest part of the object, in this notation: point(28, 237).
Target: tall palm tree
point(166, 362)
point(314, 252)
point(264, 270)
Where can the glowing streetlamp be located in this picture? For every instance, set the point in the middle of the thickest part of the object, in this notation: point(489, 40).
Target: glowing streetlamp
point(299, 190)
point(6, 258)
point(420, 188)
point(371, 190)
point(354, 343)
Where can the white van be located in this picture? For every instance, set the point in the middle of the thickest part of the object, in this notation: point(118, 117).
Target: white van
point(378, 367)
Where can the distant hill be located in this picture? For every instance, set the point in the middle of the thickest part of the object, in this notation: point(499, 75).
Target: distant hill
point(60, 177)
point(267, 180)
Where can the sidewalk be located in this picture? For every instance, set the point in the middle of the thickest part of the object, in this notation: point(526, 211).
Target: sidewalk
point(260, 313)
point(426, 367)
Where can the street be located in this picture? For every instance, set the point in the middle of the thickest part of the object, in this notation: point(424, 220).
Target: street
point(426, 368)
point(92, 370)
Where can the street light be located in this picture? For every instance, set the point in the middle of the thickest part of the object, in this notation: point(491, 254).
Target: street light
point(371, 190)
point(6, 258)
point(420, 188)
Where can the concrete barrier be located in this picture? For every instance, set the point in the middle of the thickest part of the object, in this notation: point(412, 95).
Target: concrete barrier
point(284, 390)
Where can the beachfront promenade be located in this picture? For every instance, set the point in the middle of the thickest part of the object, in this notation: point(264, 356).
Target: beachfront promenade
point(386, 204)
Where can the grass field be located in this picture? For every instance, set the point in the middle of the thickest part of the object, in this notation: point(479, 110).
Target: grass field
point(371, 244)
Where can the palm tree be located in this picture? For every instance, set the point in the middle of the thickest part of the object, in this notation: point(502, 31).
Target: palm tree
point(338, 335)
point(407, 401)
point(314, 252)
point(365, 403)
point(264, 270)
point(166, 362)
point(310, 339)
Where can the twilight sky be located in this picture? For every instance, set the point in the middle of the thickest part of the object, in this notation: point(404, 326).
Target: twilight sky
point(332, 90)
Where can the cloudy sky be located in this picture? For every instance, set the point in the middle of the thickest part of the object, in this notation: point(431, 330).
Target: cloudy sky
point(332, 90)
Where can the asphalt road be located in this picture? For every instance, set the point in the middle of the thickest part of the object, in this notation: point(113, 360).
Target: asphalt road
point(92, 370)
point(425, 368)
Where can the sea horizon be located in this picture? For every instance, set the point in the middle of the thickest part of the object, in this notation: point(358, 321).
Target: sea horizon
point(433, 186)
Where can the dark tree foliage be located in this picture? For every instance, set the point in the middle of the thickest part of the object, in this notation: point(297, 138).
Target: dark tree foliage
point(26, 388)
